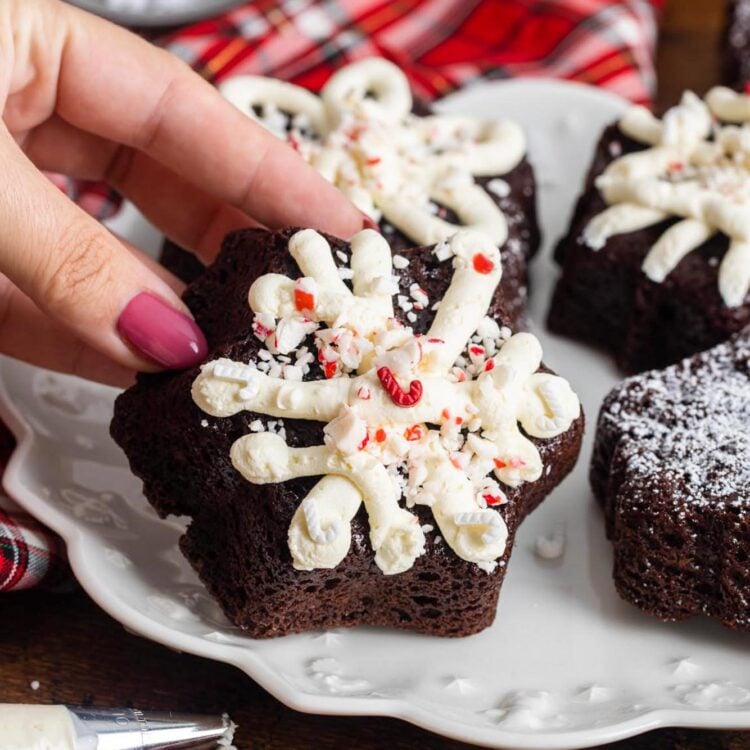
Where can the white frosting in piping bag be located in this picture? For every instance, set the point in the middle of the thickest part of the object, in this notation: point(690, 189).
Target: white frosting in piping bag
point(381, 443)
point(36, 728)
point(361, 136)
point(694, 170)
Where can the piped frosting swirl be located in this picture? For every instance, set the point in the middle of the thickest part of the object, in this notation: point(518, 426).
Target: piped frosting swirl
point(403, 423)
point(361, 136)
point(695, 169)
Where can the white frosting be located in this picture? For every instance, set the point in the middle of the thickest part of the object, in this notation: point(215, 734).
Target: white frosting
point(728, 105)
point(320, 532)
point(349, 86)
point(25, 727)
point(364, 311)
point(369, 437)
point(247, 92)
point(693, 170)
point(385, 160)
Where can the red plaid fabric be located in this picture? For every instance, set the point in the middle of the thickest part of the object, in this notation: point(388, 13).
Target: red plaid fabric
point(441, 45)
point(30, 555)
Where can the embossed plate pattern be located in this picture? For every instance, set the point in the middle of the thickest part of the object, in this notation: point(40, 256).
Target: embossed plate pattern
point(567, 664)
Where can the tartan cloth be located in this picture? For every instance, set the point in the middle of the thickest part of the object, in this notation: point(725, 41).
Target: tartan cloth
point(30, 555)
point(441, 45)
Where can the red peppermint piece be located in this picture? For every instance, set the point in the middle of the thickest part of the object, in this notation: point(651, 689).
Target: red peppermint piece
point(373, 161)
point(394, 390)
point(492, 499)
point(293, 141)
point(482, 264)
point(413, 433)
point(500, 464)
point(380, 435)
point(489, 365)
point(364, 393)
point(362, 445)
point(261, 331)
point(304, 300)
point(330, 369)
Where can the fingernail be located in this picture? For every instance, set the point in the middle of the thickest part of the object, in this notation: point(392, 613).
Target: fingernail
point(368, 223)
point(165, 335)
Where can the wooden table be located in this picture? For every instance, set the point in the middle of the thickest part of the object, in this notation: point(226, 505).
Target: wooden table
point(80, 655)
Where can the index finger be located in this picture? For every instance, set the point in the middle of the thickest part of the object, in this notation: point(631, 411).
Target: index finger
point(144, 97)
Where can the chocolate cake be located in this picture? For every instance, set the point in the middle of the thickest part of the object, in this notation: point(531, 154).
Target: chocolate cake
point(735, 44)
point(450, 438)
point(421, 176)
point(656, 263)
point(671, 467)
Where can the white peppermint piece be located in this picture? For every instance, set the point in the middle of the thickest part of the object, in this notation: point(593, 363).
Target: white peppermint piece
point(346, 432)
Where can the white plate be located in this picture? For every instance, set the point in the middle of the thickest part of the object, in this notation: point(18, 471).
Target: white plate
point(566, 664)
point(155, 12)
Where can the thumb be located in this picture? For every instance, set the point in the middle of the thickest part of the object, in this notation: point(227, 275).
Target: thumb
point(80, 275)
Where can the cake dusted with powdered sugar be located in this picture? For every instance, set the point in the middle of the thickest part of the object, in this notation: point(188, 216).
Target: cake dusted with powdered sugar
point(671, 467)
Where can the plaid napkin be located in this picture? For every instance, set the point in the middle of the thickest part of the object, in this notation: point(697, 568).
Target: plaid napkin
point(442, 45)
point(30, 555)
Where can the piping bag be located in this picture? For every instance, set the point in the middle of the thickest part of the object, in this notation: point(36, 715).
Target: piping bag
point(25, 727)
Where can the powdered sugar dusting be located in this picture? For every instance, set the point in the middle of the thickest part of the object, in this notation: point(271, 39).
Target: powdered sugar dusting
point(688, 425)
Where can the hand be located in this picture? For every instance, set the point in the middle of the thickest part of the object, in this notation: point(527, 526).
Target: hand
point(88, 99)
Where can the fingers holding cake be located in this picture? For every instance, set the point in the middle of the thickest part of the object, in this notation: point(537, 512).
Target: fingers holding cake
point(82, 277)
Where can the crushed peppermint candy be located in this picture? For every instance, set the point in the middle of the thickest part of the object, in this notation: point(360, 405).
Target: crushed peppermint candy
point(347, 432)
point(403, 302)
point(419, 296)
point(274, 425)
point(291, 332)
point(305, 293)
point(345, 273)
point(499, 187)
point(443, 251)
point(264, 324)
point(482, 264)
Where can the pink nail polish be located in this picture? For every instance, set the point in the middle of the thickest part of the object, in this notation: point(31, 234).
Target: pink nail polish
point(162, 333)
point(368, 223)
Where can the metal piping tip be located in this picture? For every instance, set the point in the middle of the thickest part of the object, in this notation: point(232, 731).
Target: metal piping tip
point(131, 729)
